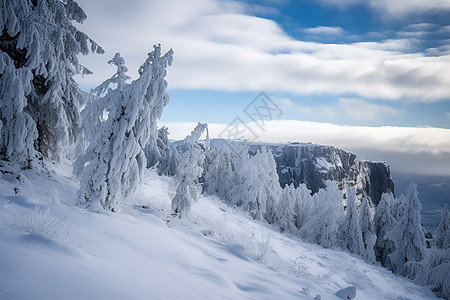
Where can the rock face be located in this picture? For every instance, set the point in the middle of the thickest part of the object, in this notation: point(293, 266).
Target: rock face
point(313, 165)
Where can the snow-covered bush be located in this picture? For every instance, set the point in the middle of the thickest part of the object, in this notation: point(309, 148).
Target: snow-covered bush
point(189, 171)
point(114, 161)
point(38, 59)
point(39, 222)
point(262, 251)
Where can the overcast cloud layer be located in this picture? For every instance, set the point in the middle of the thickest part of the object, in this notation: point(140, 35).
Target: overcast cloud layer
point(407, 149)
point(219, 46)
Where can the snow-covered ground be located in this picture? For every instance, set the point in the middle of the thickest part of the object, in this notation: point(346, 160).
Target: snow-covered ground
point(50, 249)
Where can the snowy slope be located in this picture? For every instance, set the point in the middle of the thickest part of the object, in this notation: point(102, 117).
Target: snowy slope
point(144, 253)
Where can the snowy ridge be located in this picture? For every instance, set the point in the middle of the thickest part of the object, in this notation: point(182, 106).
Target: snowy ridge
point(216, 252)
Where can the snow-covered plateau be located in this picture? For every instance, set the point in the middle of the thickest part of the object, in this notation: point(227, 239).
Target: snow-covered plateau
point(52, 249)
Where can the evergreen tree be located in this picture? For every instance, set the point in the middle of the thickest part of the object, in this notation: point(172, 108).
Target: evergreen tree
point(324, 220)
point(114, 161)
point(220, 172)
point(256, 188)
point(38, 59)
point(384, 222)
point(369, 236)
point(442, 236)
point(351, 231)
point(189, 172)
point(407, 235)
point(302, 204)
point(17, 128)
point(162, 155)
point(285, 211)
point(434, 271)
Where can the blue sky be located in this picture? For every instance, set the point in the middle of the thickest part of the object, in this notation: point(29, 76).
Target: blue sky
point(354, 64)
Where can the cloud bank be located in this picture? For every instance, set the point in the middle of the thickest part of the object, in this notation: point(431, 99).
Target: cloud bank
point(219, 46)
point(414, 150)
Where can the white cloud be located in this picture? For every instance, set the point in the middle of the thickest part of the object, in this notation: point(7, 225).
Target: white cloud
point(415, 150)
point(288, 105)
point(360, 110)
point(352, 108)
point(395, 8)
point(324, 30)
point(218, 46)
point(405, 7)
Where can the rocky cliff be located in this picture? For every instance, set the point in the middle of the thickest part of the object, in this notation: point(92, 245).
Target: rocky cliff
point(313, 165)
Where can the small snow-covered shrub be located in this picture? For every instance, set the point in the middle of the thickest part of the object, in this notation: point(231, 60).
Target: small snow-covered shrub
point(261, 251)
point(39, 222)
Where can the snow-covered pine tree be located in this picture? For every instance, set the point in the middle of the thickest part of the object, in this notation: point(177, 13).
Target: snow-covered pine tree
point(434, 271)
point(369, 236)
point(384, 222)
point(256, 187)
point(162, 155)
point(285, 212)
point(270, 182)
point(190, 170)
point(18, 130)
point(325, 218)
point(407, 235)
point(351, 231)
point(219, 176)
point(114, 161)
point(38, 56)
point(441, 238)
point(302, 205)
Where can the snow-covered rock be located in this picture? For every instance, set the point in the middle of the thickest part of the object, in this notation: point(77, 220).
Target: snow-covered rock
point(347, 293)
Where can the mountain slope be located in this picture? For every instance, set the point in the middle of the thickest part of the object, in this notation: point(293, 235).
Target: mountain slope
point(144, 253)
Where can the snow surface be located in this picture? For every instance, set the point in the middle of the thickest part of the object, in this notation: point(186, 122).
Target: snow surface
point(143, 252)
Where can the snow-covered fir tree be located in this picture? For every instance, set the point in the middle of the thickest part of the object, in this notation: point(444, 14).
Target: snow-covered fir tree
point(114, 161)
point(434, 271)
point(189, 171)
point(325, 218)
point(369, 236)
point(441, 238)
point(407, 235)
point(162, 155)
point(384, 222)
point(17, 128)
point(302, 204)
point(351, 232)
point(256, 188)
point(220, 172)
point(285, 211)
point(38, 59)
